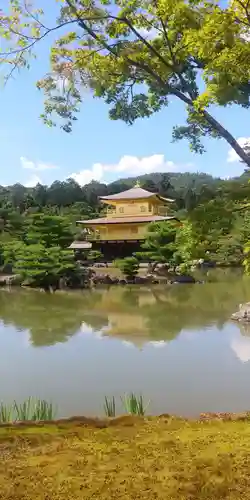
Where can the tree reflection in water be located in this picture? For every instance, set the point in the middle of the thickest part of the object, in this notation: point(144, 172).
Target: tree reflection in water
point(137, 315)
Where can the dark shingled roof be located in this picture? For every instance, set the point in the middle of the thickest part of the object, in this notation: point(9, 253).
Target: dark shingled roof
point(133, 194)
point(125, 220)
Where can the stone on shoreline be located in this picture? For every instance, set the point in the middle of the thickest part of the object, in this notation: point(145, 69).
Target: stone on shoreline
point(149, 279)
point(106, 279)
point(10, 280)
point(180, 278)
point(243, 314)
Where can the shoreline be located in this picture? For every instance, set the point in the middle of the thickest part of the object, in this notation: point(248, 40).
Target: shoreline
point(130, 420)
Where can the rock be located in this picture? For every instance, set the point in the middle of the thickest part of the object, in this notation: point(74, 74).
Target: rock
point(180, 278)
point(243, 314)
point(122, 282)
point(104, 279)
point(162, 269)
point(142, 280)
point(203, 263)
point(12, 280)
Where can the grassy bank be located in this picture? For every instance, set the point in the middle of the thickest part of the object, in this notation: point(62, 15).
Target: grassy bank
point(128, 458)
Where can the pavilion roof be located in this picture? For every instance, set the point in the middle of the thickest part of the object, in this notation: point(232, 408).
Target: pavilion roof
point(135, 193)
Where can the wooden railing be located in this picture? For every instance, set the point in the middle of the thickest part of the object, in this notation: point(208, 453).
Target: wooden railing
point(161, 210)
point(93, 236)
point(136, 212)
point(116, 236)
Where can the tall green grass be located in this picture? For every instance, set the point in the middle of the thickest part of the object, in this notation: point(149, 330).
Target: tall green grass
point(134, 405)
point(31, 409)
point(110, 407)
point(6, 413)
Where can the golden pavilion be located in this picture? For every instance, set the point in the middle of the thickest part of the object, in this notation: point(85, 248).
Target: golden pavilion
point(124, 227)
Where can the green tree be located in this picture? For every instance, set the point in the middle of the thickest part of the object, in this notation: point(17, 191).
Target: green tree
point(42, 266)
point(188, 243)
point(129, 266)
point(149, 185)
point(210, 221)
point(160, 244)
point(165, 185)
point(49, 230)
point(11, 222)
point(246, 261)
point(230, 250)
point(136, 56)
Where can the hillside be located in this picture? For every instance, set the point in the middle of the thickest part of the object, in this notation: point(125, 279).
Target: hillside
point(178, 180)
point(188, 189)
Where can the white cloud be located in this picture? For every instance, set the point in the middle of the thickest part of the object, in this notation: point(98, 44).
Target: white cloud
point(134, 165)
point(127, 343)
point(37, 166)
point(245, 36)
point(144, 165)
point(148, 34)
point(131, 166)
point(241, 347)
point(232, 155)
point(33, 181)
point(85, 176)
point(157, 343)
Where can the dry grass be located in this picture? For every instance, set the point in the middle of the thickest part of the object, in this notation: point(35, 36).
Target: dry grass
point(132, 458)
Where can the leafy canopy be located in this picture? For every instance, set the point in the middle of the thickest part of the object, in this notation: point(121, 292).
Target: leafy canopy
point(49, 230)
point(43, 266)
point(137, 55)
point(129, 266)
point(160, 243)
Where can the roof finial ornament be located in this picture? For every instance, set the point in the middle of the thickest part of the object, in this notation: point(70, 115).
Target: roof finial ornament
point(137, 184)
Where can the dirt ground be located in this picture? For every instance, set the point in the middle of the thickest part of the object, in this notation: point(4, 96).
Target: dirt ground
point(132, 458)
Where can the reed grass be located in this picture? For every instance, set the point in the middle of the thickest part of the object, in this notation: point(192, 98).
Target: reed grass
point(31, 409)
point(134, 405)
point(110, 407)
point(6, 413)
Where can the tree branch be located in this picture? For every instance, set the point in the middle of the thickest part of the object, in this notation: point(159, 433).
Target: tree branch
point(38, 39)
point(145, 42)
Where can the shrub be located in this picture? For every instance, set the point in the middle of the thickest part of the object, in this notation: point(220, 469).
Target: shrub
point(128, 266)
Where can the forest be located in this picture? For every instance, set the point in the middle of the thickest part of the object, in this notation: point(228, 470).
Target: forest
point(38, 224)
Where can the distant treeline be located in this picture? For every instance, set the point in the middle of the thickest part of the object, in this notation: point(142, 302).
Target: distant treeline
point(188, 190)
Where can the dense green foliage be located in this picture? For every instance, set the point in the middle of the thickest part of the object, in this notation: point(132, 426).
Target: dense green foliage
point(48, 230)
point(128, 266)
point(39, 265)
point(215, 222)
point(136, 56)
point(160, 245)
point(44, 266)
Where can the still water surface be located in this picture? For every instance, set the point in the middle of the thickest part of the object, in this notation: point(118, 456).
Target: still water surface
point(176, 345)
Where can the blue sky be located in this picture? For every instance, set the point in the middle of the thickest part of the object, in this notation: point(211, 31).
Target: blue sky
point(98, 147)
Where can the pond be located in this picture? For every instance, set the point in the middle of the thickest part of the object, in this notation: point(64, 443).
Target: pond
point(174, 344)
